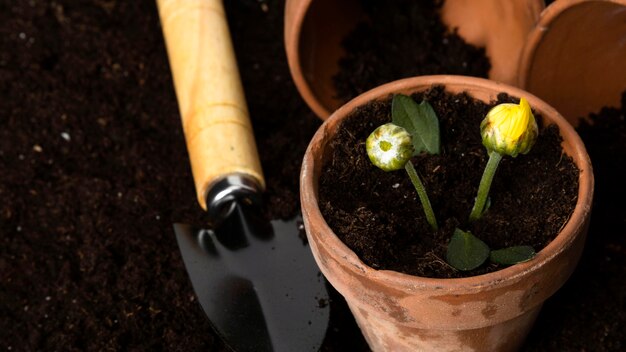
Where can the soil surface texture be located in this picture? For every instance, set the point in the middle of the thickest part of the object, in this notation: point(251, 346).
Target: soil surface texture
point(403, 38)
point(379, 216)
point(93, 172)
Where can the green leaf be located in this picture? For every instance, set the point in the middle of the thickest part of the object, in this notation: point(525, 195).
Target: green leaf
point(419, 120)
point(512, 255)
point(466, 251)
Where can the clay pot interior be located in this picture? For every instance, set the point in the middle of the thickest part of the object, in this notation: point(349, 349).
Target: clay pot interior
point(400, 312)
point(499, 26)
point(313, 34)
point(575, 57)
point(314, 30)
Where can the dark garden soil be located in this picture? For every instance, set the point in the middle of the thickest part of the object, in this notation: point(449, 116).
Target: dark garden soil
point(93, 171)
point(378, 214)
point(403, 38)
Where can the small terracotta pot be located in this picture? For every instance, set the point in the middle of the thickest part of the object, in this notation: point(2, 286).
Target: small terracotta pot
point(314, 31)
point(575, 58)
point(490, 312)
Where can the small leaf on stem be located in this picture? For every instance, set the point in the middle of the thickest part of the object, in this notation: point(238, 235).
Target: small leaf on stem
point(512, 255)
point(466, 251)
point(419, 120)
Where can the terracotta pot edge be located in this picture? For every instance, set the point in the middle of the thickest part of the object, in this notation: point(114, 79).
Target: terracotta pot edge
point(295, 14)
point(536, 35)
point(511, 274)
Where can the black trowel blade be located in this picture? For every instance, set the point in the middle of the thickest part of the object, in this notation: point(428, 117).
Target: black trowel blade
point(259, 285)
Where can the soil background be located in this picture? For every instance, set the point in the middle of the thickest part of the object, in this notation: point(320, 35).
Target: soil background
point(93, 172)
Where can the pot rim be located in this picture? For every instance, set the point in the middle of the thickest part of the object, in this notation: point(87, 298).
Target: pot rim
point(295, 15)
point(511, 274)
point(293, 31)
point(536, 35)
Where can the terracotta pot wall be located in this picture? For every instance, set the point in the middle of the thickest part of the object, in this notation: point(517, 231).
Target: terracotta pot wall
point(507, 336)
point(491, 312)
point(575, 57)
point(314, 30)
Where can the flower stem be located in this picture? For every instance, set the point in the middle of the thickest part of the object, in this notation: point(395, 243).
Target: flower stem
point(421, 192)
point(485, 185)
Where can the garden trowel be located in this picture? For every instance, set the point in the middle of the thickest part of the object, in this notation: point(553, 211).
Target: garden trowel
point(256, 281)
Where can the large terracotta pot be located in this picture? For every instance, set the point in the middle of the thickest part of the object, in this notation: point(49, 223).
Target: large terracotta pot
point(575, 57)
point(314, 30)
point(399, 312)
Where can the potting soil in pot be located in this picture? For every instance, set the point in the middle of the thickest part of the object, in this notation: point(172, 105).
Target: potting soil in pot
point(403, 38)
point(377, 214)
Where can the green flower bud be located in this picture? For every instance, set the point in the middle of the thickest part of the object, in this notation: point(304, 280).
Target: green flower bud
point(509, 129)
point(389, 147)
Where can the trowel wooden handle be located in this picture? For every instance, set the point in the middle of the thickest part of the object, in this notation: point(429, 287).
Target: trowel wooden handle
point(210, 96)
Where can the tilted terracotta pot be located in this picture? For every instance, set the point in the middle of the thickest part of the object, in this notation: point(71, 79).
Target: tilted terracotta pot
point(314, 30)
point(575, 58)
point(490, 312)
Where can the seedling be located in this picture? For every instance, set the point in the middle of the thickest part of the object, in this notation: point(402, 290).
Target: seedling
point(507, 130)
point(414, 129)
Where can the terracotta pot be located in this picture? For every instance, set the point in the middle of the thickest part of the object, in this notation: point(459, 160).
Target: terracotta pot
point(314, 30)
point(575, 58)
point(399, 312)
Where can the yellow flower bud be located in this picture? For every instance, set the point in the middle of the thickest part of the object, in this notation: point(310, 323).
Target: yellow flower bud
point(509, 129)
point(389, 147)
